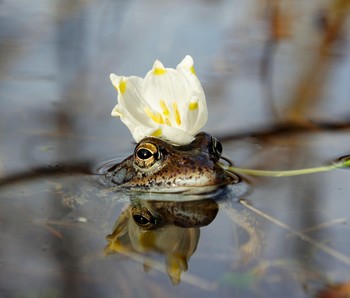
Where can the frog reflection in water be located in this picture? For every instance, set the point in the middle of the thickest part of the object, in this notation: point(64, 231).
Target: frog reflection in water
point(158, 166)
point(148, 228)
point(171, 229)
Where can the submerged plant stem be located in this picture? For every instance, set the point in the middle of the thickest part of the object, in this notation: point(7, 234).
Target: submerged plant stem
point(287, 173)
point(320, 245)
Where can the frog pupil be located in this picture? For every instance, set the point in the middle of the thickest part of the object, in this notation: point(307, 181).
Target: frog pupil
point(141, 220)
point(217, 147)
point(144, 153)
point(144, 221)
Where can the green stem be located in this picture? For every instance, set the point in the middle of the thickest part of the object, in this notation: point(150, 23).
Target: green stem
point(287, 173)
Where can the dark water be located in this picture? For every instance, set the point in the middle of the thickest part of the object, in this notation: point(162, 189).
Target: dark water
point(276, 82)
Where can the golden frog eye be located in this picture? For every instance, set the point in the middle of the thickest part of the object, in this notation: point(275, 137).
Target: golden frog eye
point(146, 155)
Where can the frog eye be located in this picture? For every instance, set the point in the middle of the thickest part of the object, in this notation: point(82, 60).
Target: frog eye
point(146, 154)
point(216, 147)
point(143, 218)
point(143, 221)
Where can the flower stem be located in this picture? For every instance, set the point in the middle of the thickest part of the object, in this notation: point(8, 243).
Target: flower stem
point(337, 165)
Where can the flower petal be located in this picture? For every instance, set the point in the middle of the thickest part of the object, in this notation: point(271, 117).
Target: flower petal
point(169, 103)
point(130, 100)
point(197, 112)
point(166, 92)
point(186, 64)
point(140, 132)
point(176, 135)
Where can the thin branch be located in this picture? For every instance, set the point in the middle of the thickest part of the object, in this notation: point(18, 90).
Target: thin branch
point(326, 249)
point(82, 168)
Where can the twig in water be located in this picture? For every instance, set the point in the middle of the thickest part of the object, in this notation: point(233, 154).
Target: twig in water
point(329, 250)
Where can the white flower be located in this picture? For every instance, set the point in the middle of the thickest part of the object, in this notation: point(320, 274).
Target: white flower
point(168, 103)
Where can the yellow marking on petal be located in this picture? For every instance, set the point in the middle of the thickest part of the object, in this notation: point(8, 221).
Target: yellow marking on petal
point(177, 113)
point(157, 133)
point(193, 106)
point(161, 119)
point(159, 71)
point(192, 70)
point(164, 108)
point(122, 86)
point(167, 122)
point(156, 117)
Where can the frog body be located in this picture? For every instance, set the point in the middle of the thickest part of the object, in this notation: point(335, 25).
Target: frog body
point(157, 166)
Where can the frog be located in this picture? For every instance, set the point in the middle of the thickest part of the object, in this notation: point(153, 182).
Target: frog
point(161, 167)
point(172, 229)
point(168, 228)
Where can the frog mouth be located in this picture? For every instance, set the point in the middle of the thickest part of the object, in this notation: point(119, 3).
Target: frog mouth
point(188, 193)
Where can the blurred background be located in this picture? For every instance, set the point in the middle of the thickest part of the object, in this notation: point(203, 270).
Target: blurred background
point(276, 77)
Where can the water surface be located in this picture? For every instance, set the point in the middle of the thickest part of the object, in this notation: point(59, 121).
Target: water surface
point(276, 81)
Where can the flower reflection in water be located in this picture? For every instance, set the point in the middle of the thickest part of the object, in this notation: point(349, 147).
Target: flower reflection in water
point(165, 227)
